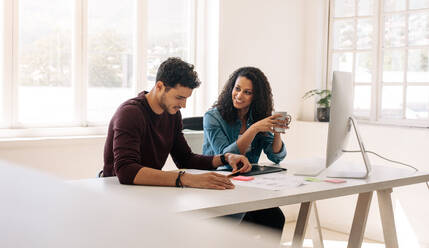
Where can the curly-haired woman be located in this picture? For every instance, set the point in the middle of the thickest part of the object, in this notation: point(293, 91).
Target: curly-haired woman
point(240, 122)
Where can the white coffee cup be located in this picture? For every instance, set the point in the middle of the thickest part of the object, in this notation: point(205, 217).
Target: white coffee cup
point(285, 116)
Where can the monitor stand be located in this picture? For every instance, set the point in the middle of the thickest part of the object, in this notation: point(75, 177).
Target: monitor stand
point(350, 173)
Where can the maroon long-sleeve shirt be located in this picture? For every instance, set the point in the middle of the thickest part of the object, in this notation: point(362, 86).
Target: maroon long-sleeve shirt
point(138, 137)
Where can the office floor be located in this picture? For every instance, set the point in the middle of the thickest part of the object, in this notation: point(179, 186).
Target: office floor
point(331, 239)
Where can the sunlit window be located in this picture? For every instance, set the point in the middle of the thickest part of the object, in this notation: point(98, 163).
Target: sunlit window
point(110, 56)
point(72, 63)
point(44, 69)
point(390, 70)
point(1, 61)
point(168, 34)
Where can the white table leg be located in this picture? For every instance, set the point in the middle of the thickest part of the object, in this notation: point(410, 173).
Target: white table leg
point(387, 218)
point(307, 211)
point(315, 229)
point(301, 225)
point(359, 220)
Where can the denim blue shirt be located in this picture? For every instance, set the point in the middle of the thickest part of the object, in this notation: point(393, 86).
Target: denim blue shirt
point(221, 137)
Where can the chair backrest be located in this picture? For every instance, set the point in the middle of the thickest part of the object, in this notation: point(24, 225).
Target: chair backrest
point(193, 123)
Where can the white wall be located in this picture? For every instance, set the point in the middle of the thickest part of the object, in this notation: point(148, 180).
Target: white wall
point(269, 35)
point(67, 158)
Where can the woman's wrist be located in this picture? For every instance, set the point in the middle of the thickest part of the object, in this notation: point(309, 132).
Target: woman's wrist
point(254, 129)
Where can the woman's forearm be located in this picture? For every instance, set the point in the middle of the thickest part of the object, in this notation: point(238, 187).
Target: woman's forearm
point(246, 139)
point(277, 143)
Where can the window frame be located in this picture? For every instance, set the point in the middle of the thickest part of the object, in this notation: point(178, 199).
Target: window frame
point(377, 67)
point(10, 125)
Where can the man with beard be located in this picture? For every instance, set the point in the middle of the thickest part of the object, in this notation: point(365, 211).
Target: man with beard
point(146, 129)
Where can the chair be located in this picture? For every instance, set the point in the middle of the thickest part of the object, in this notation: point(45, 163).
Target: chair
point(194, 139)
point(193, 123)
point(100, 174)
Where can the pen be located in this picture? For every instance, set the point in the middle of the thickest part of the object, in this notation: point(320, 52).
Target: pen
point(234, 174)
point(239, 166)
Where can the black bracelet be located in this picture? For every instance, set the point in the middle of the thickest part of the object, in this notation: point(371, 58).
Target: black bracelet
point(178, 181)
point(222, 159)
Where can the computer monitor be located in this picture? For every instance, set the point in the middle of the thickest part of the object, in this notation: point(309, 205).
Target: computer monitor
point(341, 121)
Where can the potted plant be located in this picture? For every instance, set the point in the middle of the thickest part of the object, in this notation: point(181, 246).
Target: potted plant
point(323, 104)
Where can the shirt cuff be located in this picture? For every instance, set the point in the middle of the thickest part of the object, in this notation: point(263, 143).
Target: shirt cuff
point(275, 157)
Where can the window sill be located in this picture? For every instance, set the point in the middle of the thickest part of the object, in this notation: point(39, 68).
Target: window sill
point(51, 133)
point(378, 123)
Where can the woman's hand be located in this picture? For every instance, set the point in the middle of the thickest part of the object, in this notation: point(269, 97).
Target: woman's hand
point(238, 162)
point(268, 124)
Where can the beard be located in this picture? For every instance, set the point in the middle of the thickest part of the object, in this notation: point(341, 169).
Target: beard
point(164, 106)
point(162, 103)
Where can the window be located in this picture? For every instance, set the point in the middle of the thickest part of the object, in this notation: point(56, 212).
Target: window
point(44, 62)
point(110, 57)
point(385, 44)
point(170, 35)
point(1, 62)
point(71, 63)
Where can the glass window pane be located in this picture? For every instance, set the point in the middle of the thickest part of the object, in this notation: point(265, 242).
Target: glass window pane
point(363, 72)
point(394, 31)
point(391, 103)
point(365, 7)
point(169, 28)
point(417, 102)
point(1, 63)
point(110, 56)
point(343, 34)
point(169, 35)
point(362, 100)
point(45, 92)
point(344, 8)
point(418, 29)
point(342, 62)
point(394, 5)
point(393, 65)
point(418, 65)
point(365, 33)
point(419, 4)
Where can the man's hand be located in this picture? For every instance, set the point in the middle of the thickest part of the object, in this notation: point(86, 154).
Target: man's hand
point(209, 180)
point(238, 162)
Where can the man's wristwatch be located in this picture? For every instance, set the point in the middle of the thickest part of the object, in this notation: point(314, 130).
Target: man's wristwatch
point(223, 159)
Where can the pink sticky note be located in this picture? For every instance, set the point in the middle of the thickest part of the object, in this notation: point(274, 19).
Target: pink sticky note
point(243, 178)
point(335, 180)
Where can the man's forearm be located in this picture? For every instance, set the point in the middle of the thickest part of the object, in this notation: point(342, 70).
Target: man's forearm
point(149, 176)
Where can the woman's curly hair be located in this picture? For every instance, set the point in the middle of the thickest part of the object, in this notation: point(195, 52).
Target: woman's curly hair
point(262, 102)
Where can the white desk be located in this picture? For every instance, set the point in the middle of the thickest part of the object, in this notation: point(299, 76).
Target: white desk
point(40, 211)
point(213, 203)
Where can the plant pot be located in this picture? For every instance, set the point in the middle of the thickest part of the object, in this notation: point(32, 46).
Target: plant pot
point(323, 114)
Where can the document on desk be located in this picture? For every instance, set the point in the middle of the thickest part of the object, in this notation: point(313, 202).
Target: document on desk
point(271, 181)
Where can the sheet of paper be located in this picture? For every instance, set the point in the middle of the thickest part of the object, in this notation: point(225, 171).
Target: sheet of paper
point(270, 181)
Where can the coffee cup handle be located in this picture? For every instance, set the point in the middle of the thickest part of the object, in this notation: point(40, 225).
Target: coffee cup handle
point(289, 119)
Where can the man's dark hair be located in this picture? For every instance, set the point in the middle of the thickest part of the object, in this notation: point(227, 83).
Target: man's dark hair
point(175, 71)
point(262, 101)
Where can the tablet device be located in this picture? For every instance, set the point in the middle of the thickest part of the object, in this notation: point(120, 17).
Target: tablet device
point(260, 169)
